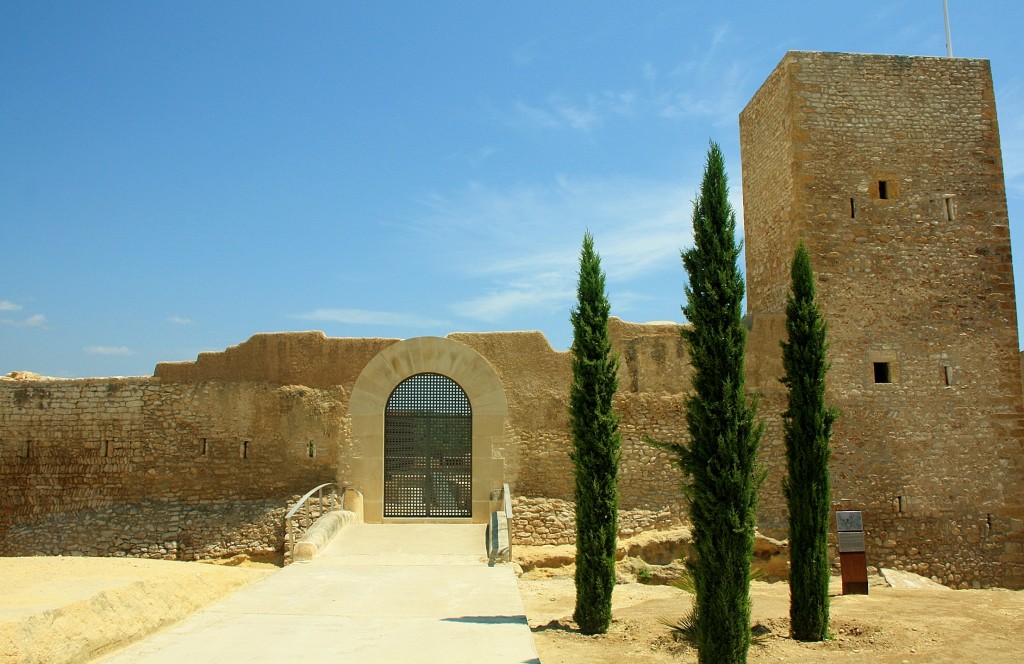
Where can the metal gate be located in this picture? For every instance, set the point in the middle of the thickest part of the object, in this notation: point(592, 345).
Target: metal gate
point(428, 449)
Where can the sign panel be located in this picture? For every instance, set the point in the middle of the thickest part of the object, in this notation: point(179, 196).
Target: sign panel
point(849, 521)
point(851, 542)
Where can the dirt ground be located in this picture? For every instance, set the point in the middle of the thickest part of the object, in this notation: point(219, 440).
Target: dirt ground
point(55, 610)
point(68, 609)
point(898, 625)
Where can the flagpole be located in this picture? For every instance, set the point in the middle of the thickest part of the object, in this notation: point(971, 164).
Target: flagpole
point(949, 39)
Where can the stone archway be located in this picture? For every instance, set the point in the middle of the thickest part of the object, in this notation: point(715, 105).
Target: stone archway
point(369, 399)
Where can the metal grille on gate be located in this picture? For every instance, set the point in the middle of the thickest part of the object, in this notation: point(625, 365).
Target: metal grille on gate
point(428, 449)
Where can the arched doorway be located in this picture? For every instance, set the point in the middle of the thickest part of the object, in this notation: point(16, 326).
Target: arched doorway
point(428, 449)
point(363, 465)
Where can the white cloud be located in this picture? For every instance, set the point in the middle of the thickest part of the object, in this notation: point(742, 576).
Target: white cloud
point(525, 114)
point(7, 305)
point(1010, 99)
point(719, 93)
point(712, 83)
point(560, 111)
point(525, 257)
point(35, 320)
point(579, 117)
point(109, 350)
point(178, 320)
point(367, 317)
point(524, 55)
point(546, 292)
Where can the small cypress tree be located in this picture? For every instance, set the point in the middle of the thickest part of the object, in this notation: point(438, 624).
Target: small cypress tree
point(807, 427)
point(596, 446)
point(720, 461)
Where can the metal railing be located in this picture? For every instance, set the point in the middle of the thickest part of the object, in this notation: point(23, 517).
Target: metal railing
point(307, 510)
point(508, 502)
point(499, 530)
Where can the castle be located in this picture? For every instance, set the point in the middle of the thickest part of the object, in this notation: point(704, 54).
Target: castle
point(890, 170)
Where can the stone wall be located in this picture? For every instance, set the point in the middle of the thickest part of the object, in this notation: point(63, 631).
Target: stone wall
point(91, 447)
point(99, 450)
point(552, 521)
point(168, 531)
point(893, 178)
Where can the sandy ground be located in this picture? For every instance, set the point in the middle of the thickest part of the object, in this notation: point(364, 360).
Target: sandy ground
point(56, 610)
point(888, 625)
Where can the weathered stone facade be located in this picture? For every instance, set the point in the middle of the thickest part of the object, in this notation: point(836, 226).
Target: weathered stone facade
point(889, 168)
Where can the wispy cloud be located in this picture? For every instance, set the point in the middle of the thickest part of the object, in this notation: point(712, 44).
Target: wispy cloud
point(35, 320)
point(524, 258)
point(524, 55)
point(544, 292)
point(109, 350)
point(695, 88)
point(1011, 129)
point(178, 320)
point(561, 111)
point(7, 305)
point(368, 317)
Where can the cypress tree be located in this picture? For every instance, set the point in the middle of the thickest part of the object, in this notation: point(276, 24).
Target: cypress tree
point(596, 446)
point(720, 462)
point(807, 427)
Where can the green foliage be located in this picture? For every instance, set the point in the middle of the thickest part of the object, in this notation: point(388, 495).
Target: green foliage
point(720, 462)
point(682, 628)
point(807, 427)
point(685, 581)
point(596, 446)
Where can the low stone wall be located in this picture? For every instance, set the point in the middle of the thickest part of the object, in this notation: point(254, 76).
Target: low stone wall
point(956, 551)
point(539, 521)
point(156, 530)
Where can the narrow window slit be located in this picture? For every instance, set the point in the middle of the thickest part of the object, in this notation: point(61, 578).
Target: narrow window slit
point(853, 212)
point(245, 449)
point(204, 447)
point(883, 189)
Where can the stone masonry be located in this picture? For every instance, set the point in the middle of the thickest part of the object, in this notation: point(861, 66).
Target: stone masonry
point(890, 170)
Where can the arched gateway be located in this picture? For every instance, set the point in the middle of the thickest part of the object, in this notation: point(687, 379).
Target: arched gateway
point(428, 449)
point(428, 418)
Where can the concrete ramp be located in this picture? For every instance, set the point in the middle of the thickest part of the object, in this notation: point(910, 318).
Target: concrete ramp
point(376, 593)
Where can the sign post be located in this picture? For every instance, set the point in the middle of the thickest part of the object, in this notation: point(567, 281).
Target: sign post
point(853, 560)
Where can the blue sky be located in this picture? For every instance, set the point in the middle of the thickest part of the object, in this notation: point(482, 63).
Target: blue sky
point(177, 176)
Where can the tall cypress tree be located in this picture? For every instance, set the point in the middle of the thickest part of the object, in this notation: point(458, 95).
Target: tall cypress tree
point(720, 461)
point(596, 446)
point(807, 426)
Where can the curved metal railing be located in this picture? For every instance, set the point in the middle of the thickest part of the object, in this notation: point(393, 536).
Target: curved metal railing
point(499, 530)
point(508, 502)
point(306, 511)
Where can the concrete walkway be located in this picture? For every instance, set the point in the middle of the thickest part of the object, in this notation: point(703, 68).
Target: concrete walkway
point(377, 593)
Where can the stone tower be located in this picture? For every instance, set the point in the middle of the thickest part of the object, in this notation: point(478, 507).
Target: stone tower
point(890, 170)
